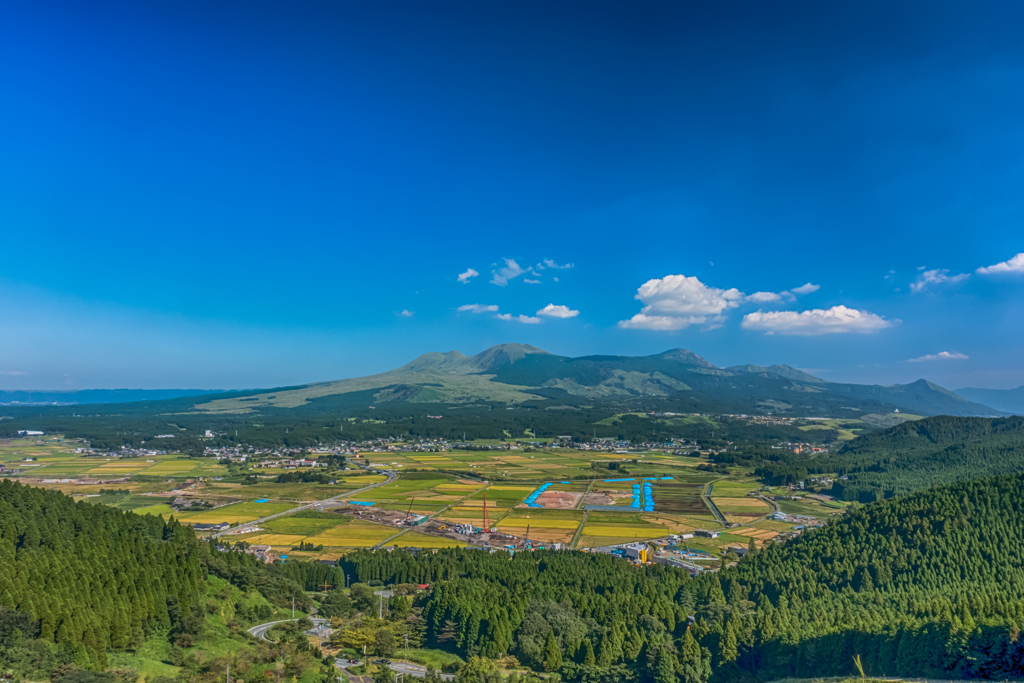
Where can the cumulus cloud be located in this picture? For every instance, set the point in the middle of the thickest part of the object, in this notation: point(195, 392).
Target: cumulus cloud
point(511, 271)
point(662, 323)
point(935, 277)
point(677, 301)
point(763, 297)
point(467, 276)
point(405, 313)
point(806, 289)
point(941, 355)
point(816, 321)
point(1014, 265)
point(679, 295)
point(478, 308)
point(531, 282)
point(548, 263)
point(528, 319)
point(553, 311)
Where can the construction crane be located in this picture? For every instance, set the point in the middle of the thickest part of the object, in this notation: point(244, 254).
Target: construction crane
point(487, 523)
point(527, 539)
point(408, 515)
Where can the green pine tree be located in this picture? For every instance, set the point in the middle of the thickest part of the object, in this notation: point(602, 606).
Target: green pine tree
point(552, 655)
point(588, 654)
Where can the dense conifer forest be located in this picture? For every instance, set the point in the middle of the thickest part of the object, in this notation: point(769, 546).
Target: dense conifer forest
point(898, 460)
point(929, 585)
point(79, 582)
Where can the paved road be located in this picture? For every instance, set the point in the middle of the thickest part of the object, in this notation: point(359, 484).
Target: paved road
point(579, 530)
point(404, 668)
point(261, 630)
point(242, 527)
point(711, 505)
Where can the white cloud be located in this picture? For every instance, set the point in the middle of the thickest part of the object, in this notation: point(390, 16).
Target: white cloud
point(511, 271)
point(531, 282)
point(529, 320)
point(662, 323)
point(14, 373)
point(806, 289)
point(1014, 265)
point(763, 297)
point(553, 311)
point(678, 295)
point(405, 314)
point(677, 301)
point(935, 277)
point(478, 308)
point(467, 276)
point(816, 321)
point(941, 355)
point(548, 263)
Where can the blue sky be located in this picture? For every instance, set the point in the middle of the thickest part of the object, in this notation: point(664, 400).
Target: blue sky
point(258, 194)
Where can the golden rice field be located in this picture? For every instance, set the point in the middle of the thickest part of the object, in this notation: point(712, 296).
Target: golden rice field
point(415, 539)
point(536, 534)
point(539, 523)
point(745, 503)
point(355, 534)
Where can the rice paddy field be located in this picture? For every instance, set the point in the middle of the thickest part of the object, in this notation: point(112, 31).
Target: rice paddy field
point(449, 486)
point(413, 539)
point(54, 458)
point(550, 526)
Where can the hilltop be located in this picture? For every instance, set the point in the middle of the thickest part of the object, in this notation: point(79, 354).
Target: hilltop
point(520, 374)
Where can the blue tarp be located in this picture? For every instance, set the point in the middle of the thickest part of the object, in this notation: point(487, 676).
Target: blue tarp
point(358, 502)
point(614, 480)
point(532, 498)
point(262, 500)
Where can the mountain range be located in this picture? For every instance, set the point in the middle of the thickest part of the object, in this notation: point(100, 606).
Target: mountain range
point(1006, 400)
point(678, 379)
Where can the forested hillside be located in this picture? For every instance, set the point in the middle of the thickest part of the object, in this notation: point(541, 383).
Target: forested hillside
point(82, 582)
point(902, 459)
point(928, 585)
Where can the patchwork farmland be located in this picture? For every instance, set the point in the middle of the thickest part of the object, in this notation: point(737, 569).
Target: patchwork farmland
point(434, 500)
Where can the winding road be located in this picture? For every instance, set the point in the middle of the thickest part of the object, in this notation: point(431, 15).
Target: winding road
point(405, 668)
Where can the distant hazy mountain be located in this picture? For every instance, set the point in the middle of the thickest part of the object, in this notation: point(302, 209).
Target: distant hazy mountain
point(678, 380)
point(98, 396)
point(1006, 400)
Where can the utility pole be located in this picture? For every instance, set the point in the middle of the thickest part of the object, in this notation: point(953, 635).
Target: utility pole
point(293, 608)
point(380, 606)
point(346, 581)
point(406, 646)
point(228, 674)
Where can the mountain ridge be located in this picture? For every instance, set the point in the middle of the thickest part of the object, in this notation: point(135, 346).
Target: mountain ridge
point(1006, 400)
point(525, 375)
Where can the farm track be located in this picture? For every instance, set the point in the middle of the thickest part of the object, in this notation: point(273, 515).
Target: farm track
point(242, 527)
point(579, 530)
point(706, 495)
point(583, 498)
